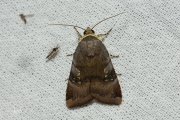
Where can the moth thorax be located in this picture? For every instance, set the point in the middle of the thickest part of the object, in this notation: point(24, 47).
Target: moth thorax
point(89, 31)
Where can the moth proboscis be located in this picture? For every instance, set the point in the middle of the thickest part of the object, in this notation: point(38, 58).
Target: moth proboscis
point(92, 74)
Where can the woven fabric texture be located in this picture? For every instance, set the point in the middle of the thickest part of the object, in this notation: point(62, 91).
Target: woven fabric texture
point(146, 38)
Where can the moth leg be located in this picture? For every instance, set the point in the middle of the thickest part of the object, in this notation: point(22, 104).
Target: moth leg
point(78, 32)
point(114, 56)
point(119, 74)
point(52, 60)
point(70, 54)
point(100, 35)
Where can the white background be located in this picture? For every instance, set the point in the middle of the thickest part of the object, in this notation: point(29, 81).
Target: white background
point(146, 37)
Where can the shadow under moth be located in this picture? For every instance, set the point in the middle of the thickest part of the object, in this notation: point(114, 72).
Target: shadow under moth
point(92, 74)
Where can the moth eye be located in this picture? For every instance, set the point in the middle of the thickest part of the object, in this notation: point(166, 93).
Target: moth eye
point(84, 32)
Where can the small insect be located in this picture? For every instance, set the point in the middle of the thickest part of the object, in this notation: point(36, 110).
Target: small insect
point(53, 53)
point(23, 17)
point(92, 74)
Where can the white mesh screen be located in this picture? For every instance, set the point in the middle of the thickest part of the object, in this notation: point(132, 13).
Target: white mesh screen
point(146, 38)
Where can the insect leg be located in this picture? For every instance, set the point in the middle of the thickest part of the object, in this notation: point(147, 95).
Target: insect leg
point(100, 35)
point(78, 32)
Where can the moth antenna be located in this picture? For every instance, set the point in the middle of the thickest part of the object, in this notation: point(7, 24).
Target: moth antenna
point(114, 24)
point(106, 19)
point(68, 25)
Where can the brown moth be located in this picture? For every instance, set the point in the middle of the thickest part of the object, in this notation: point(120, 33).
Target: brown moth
point(92, 74)
point(23, 17)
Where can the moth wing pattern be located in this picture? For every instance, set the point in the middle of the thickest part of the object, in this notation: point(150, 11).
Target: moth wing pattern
point(77, 95)
point(92, 75)
point(109, 91)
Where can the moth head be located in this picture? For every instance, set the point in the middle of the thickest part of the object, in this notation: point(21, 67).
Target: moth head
point(88, 31)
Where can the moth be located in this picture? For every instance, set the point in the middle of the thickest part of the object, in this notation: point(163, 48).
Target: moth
point(23, 17)
point(92, 74)
point(53, 53)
